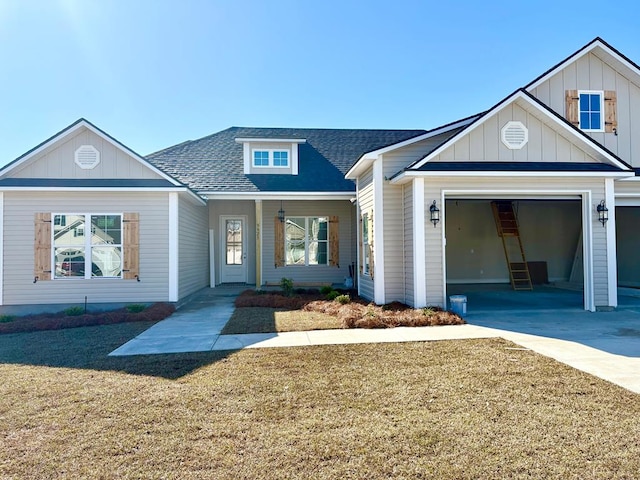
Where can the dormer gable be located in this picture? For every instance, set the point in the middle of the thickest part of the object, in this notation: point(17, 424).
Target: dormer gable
point(270, 156)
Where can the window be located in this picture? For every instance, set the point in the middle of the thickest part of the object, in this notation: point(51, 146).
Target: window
point(86, 253)
point(591, 109)
point(234, 242)
point(271, 158)
point(306, 240)
point(366, 251)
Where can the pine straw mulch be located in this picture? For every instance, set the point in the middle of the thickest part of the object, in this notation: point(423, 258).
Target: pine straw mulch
point(56, 321)
point(358, 313)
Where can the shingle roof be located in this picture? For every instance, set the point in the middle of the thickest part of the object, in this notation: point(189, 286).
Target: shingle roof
point(215, 163)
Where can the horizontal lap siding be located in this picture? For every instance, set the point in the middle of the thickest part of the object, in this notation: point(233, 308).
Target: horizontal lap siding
point(365, 204)
point(434, 188)
point(20, 208)
point(193, 247)
point(313, 274)
point(591, 73)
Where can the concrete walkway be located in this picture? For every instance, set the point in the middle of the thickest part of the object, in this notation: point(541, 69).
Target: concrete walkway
point(196, 328)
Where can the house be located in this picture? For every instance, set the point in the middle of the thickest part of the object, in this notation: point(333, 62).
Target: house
point(409, 212)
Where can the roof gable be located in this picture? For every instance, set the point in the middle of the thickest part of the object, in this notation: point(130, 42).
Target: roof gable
point(57, 158)
point(473, 141)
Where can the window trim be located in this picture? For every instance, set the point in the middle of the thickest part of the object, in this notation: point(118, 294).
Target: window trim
point(88, 246)
point(600, 93)
point(307, 241)
point(271, 160)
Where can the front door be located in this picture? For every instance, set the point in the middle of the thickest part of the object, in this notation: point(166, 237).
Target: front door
point(234, 249)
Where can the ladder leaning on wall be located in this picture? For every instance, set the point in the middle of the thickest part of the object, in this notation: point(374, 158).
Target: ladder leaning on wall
point(508, 231)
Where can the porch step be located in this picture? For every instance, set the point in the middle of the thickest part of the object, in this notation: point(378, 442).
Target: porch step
point(509, 232)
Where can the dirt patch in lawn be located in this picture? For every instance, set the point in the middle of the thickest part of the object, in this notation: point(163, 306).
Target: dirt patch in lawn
point(267, 320)
point(56, 321)
point(349, 310)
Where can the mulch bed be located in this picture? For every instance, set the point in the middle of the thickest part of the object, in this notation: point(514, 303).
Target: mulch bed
point(55, 321)
point(358, 313)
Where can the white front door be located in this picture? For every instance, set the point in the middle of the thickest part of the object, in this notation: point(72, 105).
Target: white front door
point(233, 264)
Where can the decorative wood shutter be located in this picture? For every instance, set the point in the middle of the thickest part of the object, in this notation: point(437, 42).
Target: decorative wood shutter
point(371, 247)
point(131, 246)
point(42, 247)
point(572, 113)
point(334, 241)
point(279, 243)
point(610, 115)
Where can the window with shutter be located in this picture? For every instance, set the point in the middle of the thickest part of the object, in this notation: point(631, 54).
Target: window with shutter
point(42, 244)
point(334, 241)
point(592, 110)
point(278, 243)
point(131, 244)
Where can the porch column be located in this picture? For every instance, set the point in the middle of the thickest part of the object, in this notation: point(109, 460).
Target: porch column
point(612, 262)
point(258, 244)
point(419, 253)
point(174, 229)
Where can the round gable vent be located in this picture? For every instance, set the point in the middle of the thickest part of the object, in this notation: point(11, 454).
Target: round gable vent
point(514, 135)
point(87, 157)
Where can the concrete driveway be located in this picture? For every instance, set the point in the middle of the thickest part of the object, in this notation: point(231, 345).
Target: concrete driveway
point(616, 332)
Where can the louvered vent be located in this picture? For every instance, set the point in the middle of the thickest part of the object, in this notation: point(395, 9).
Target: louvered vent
point(515, 135)
point(87, 157)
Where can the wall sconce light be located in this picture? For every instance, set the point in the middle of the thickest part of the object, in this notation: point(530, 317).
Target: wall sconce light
point(281, 213)
point(435, 214)
point(603, 212)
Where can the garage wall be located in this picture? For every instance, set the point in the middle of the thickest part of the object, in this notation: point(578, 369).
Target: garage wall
point(549, 231)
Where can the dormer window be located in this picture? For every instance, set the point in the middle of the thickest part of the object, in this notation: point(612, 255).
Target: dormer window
point(271, 158)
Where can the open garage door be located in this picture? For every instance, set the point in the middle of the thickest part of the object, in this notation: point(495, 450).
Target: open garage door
point(628, 246)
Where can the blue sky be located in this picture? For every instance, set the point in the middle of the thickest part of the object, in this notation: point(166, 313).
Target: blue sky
point(153, 73)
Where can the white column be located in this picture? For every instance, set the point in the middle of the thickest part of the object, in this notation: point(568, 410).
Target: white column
point(612, 265)
point(1, 248)
point(173, 247)
point(419, 251)
point(378, 232)
point(258, 244)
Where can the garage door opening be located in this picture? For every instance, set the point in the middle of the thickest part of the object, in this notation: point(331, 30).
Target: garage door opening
point(477, 261)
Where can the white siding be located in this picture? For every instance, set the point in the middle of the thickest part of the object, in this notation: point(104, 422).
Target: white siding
point(193, 247)
point(365, 204)
point(435, 187)
point(20, 208)
point(315, 274)
point(484, 142)
point(58, 161)
point(245, 208)
point(591, 73)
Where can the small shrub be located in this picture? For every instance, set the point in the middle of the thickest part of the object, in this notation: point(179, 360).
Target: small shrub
point(428, 311)
point(7, 318)
point(73, 311)
point(135, 308)
point(343, 299)
point(286, 284)
point(332, 295)
point(326, 290)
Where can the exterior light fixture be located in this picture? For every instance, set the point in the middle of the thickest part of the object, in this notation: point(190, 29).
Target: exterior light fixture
point(603, 212)
point(435, 214)
point(281, 213)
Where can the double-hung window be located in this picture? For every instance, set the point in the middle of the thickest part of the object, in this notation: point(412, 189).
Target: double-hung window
point(591, 110)
point(87, 245)
point(366, 252)
point(271, 158)
point(306, 240)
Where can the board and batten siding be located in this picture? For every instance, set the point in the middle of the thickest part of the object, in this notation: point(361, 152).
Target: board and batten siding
point(365, 205)
point(407, 214)
point(19, 212)
point(313, 274)
point(58, 161)
point(526, 187)
point(193, 247)
point(484, 142)
point(231, 208)
point(591, 73)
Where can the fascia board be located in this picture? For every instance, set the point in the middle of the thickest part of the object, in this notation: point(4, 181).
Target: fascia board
point(278, 195)
point(405, 176)
point(270, 140)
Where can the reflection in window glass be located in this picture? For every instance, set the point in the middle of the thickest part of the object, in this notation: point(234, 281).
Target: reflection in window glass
point(307, 240)
point(234, 242)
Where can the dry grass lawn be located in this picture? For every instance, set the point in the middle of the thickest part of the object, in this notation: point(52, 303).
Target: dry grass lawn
point(266, 320)
point(446, 410)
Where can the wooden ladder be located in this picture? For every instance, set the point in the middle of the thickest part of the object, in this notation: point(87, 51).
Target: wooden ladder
point(507, 226)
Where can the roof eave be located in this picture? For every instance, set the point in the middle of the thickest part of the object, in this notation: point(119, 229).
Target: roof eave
point(408, 175)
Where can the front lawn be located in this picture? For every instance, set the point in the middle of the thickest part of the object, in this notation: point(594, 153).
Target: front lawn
point(267, 320)
point(446, 410)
